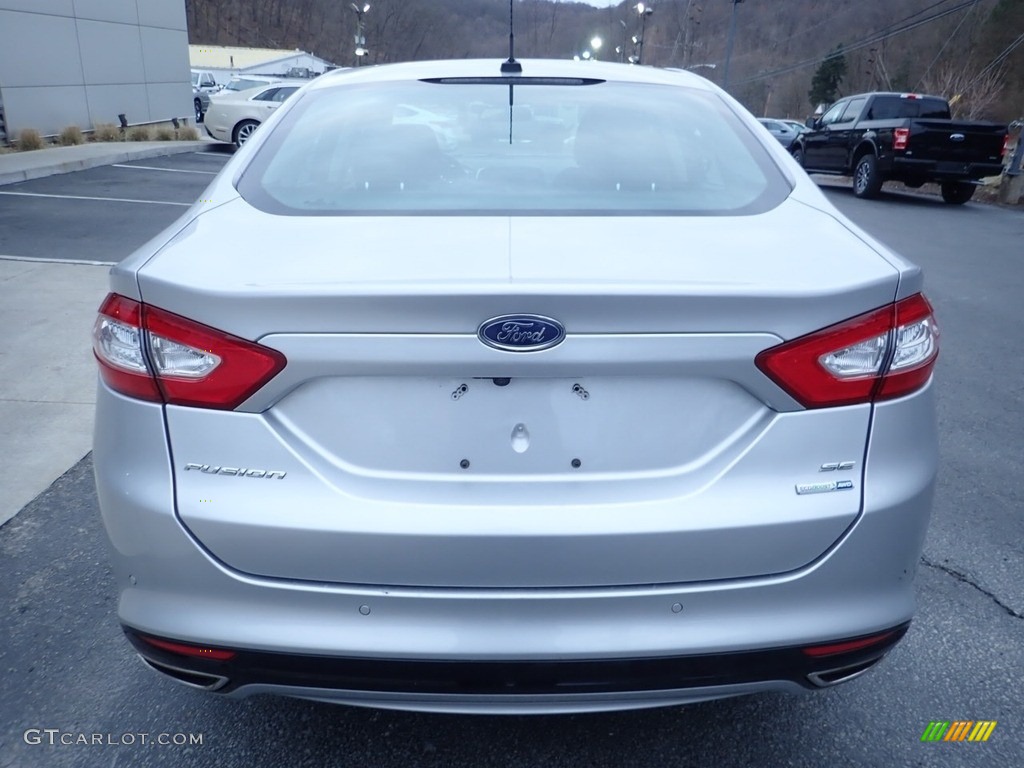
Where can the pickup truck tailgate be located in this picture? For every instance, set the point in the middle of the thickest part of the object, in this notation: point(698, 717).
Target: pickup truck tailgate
point(955, 142)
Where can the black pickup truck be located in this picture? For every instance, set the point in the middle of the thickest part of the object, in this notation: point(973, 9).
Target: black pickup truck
point(879, 137)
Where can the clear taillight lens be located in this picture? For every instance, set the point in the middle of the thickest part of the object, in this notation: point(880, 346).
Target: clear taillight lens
point(916, 344)
point(173, 359)
point(862, 359)
point(119, 345)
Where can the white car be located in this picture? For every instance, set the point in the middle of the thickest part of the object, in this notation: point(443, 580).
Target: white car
point(234, 117)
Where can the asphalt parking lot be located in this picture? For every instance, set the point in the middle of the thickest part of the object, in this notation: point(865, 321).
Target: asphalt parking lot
point(105, 213)
point(65, 665)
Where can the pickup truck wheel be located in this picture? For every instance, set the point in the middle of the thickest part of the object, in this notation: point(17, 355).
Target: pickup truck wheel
point(867, 181)
point(798, 155)
point(199, 110)
point(957, 192)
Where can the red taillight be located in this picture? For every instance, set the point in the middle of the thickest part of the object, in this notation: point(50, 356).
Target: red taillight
point(183, 649)
point(1006, 146)
point(849, 645)
point(883, 354)
point(900, 137)
point(152, 354)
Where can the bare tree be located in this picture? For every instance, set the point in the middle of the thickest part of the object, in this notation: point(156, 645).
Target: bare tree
point(971, 93)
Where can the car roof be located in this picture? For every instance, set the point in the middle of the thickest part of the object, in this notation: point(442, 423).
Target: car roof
point(546, 68)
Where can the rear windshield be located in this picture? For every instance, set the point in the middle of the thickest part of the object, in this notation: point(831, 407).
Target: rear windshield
point(898, 108)
point(244, 84)
point(429, 147)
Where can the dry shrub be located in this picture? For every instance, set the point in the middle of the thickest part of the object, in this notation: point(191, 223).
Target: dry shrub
point(30, 138)
point(188, 133)
point(71, 136)
point(139, 133)
point(106, 132)
point(164, 134)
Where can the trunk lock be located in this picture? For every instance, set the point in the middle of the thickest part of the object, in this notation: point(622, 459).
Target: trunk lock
point(520, 438)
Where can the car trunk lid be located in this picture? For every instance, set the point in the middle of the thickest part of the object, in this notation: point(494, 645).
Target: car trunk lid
point(397, 449)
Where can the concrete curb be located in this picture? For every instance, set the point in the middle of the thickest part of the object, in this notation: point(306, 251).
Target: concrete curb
point(25, 166)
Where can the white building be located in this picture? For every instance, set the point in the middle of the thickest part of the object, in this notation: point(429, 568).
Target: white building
point(83, 62)
point(226, 62)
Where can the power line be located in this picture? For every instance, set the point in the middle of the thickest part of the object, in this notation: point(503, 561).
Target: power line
point(831, 19)
point(999, 59)
point(948, 41)
point(877, 37)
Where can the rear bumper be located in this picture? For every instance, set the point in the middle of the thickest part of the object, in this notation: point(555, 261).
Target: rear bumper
point(932, 170)
point(305, 638)
point(518, 685)
point(214, 132)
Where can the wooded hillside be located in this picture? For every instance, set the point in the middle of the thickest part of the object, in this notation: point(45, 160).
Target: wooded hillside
point(971, 51)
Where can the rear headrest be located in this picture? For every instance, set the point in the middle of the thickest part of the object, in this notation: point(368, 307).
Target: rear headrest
point(622, 147)
point(397, 155)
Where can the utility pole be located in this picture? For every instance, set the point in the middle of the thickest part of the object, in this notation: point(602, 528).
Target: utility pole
point(728, 45)
point(1011, 186)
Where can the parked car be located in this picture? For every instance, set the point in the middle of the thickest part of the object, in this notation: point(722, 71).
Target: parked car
point(796, 125)
point(443, 126)
point(784, 133)
point(200, 102)
point(908, 137)
point(205, 81)
point(234, 116)
point(203, 84)
point(627, 420)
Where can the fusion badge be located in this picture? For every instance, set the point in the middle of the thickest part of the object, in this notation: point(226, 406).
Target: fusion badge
point(521, 333)
point(236, 471)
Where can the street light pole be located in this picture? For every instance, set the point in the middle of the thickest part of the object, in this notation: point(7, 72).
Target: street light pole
point(728, 46)
point(644, 11)
point(360, 30)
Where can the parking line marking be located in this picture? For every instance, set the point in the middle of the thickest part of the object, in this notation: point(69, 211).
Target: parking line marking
point(53, 260)
point(103, 199)
point(167, 170)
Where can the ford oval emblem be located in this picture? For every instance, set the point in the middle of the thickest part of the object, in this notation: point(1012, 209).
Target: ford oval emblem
point(521, 333)
point(957, 137)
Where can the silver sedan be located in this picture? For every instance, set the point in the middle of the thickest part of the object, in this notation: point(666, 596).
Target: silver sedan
point(592, 402)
